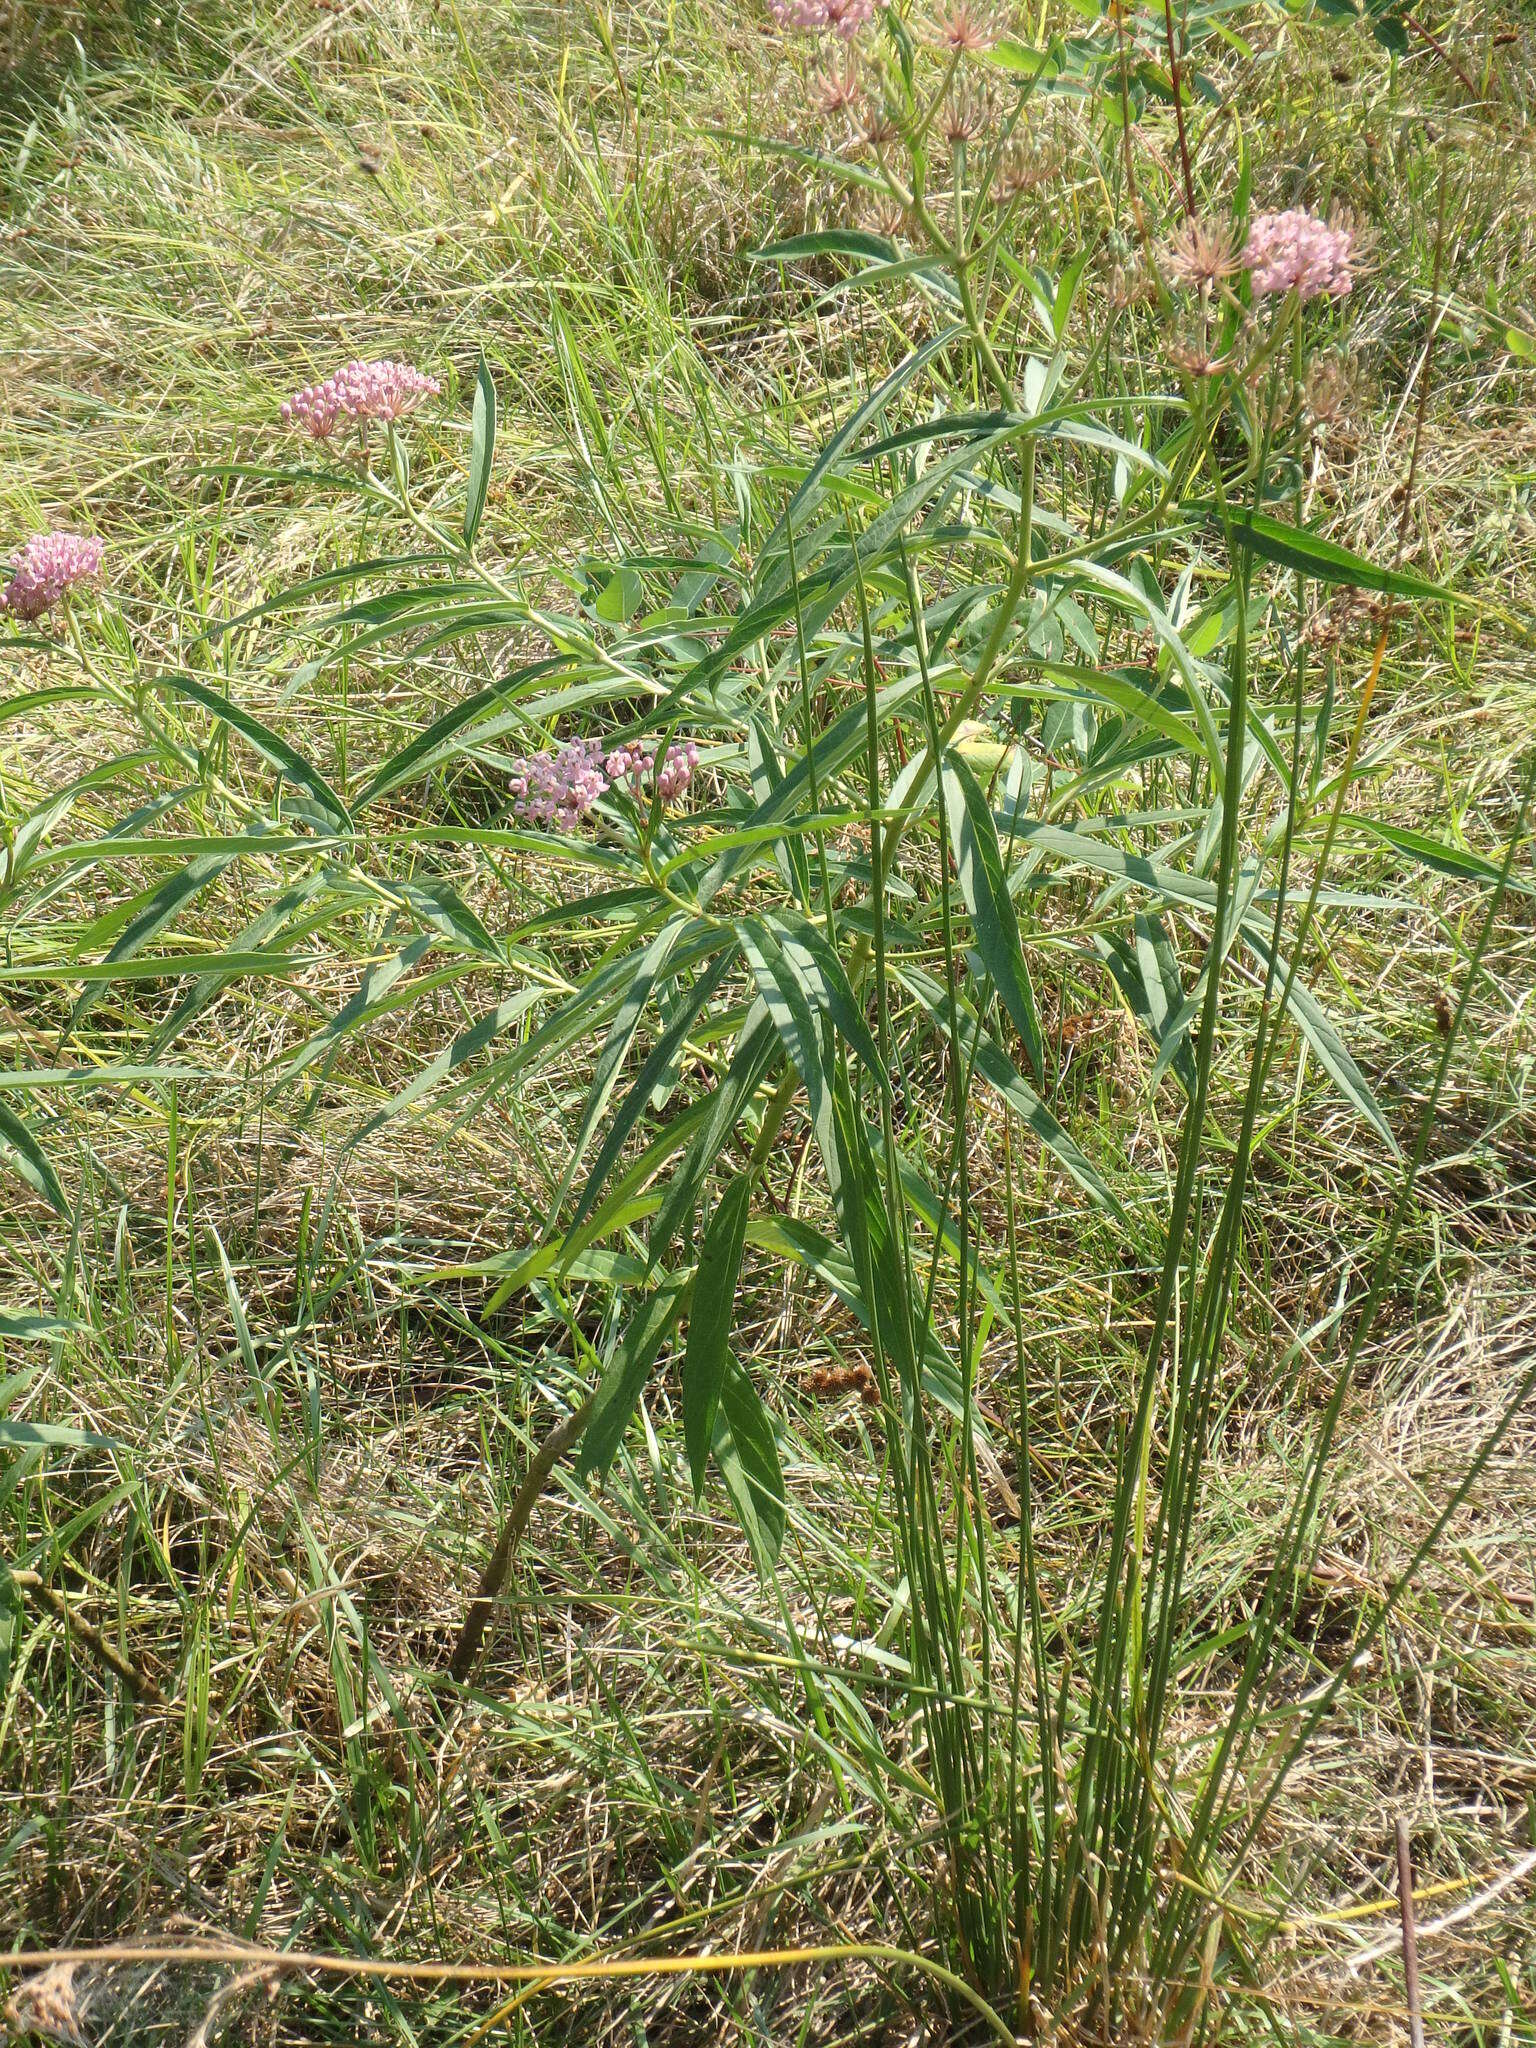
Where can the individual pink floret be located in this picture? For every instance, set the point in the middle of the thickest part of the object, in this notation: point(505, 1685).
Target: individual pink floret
point(1298, 251)
point(48, 566)
point(843, 17)
point(357, 391)
point(560, 789)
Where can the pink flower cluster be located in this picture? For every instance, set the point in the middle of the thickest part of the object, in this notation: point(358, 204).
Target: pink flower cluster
point(560, 789)
point(676, 770)
point(357, 391)
point(49, 565)
point(1297, 250)
point(844, 17)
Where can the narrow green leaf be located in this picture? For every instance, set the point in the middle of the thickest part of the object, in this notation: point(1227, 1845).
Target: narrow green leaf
point(1297, 547)
point(649, 971)
point(1323, 1037)
point(290, 763)
point(21, 1326)
point(53, 1436)
point(20, 1151)
point(825, 982)
point(482, 451)
point(628, 1369)
point(709, 1321)
point(375, 984)
point(747, 1453)
point(1434, 853)
point(984, 885)
point(828, 242)
point(439, 742)
point(755, 1049)
point(1148, 975)
point(999, 1072)
point(810, 488)
point(660, 1059)
point(183, 887)
point(796, 1025)
point(438, 904)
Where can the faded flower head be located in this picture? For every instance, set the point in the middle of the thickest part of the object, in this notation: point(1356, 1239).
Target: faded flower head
point(879, 127)
point(837, 91)
point(967, 28)
point(1332, 624)
point(46, 569)
point(966, 117)
point(1299, 251)
point(1191, 355)
point(1329, 393)
point(1201, 254)
point(1126, 284)
point(842, 17)
point(888, 218)
point(561, 789)
point(1021, 171)
point(358, 391)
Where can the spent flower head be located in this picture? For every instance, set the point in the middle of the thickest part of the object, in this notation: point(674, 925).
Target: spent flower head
point(1201, 253)
point(879, 125)
point(887, 217)
point(837, 91)
point(967, 27)
point(1299, 251)
point(1330, 392)
point(1196, 359)
point(965, 118)
point(358, 391)
point(46, 569)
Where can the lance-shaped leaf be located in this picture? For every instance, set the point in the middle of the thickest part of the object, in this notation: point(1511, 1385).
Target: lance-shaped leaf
point(287, 759)
point(648, 972)
point(50, 1436)
point(20, 1325)
point(619, 1389)
point(375, 984)
point(796, 1025)
point(825, 982)
point(709, 1321)
point(1148, 975)
point(151, 919)
point(20, 1151)
point(1320, 1033)
point(482, 451)
point(661, 1056)
point(999, 1072)
point(755, 1048)
point(440, 741)
point(1296, 547)
point(747, 1454)
point(984, 885)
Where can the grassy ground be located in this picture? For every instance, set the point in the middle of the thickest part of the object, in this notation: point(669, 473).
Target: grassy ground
point(205, 207)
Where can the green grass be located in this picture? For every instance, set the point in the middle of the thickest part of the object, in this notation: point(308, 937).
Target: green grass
point(316, 1421)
